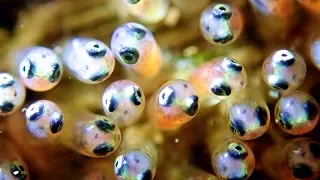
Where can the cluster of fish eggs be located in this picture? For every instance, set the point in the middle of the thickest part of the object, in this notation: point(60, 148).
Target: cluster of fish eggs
point(175, 103)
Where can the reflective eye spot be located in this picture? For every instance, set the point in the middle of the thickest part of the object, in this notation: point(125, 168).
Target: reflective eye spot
point(129, 55)
point(35, 111)
point(222, 11)
point(56, 124)
point(136, 98)
point(237, 127)
point(234, 66)
point(261, 115)
point(237, 151)
point(136, 32)
point(56, 72)
point(6, 81)
point(192, 108)
point(28, 69)
point(221, 90)
point(95, 50)
point(281, 85)
point(301, 171)
point(167, 96)
point(103, 149)
point(99, 76)
point(284, 119)
point(112, 104)
point(311, 110)
point(223, 39)
point(147, 175)
point(18, 171)
point(105, 125)
point(6, 107)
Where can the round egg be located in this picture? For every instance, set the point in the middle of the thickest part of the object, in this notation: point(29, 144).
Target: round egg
point(297, 113)
point(221, 23)
point(12, 94)
point(14, 170)
point(134, 164)
point(40, 69)
point(315, 52)
point(175, 103)
point(90, 60)
point(233, 159)
point(134, 47)
point(248, 119)
point(44, 119)
point(284, 70)
point(97, 137)
point(123, 101)
point(302, 159)
point(218, 79)
point(147, 11)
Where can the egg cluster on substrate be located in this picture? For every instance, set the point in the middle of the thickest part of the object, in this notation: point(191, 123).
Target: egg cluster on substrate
point(82, 106)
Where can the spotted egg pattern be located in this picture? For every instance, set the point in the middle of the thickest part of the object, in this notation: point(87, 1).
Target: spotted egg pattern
point(174, 104)
point(284, 70)
point(297, 113)
point(90, 60)
point(302, 158)
point(44, 119)
point(40, 69)
point(123, 101)
point(135, 47)
point(218, 79)
point(12, 94)
point(233, 159)
point(98, 137)
point(134, 164)
point(221, 24)
point(248, 119)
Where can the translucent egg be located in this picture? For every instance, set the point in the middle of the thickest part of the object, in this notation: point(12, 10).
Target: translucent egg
point(123, 101)
point(44, 119)
point(90, 60)
point(147, 11)
point(135, 47)
point(221, 23)
point(14, 170)
point(248, 119)
point(284, 70)
point(41, 69)
point(97, 137)
point(297, 113)
point(134, 164)
point(302, 159)
point(174, 104)
point(218, 79)
point(12, 94)
point(233, 159)
point(315, 52)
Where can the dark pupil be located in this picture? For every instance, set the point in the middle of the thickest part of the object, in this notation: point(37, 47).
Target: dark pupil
point(222, 8)
point(21, 168)
point(128, 57)
point(96, 46)
point(238, 148)
point(284, 55)
point(139, 93)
